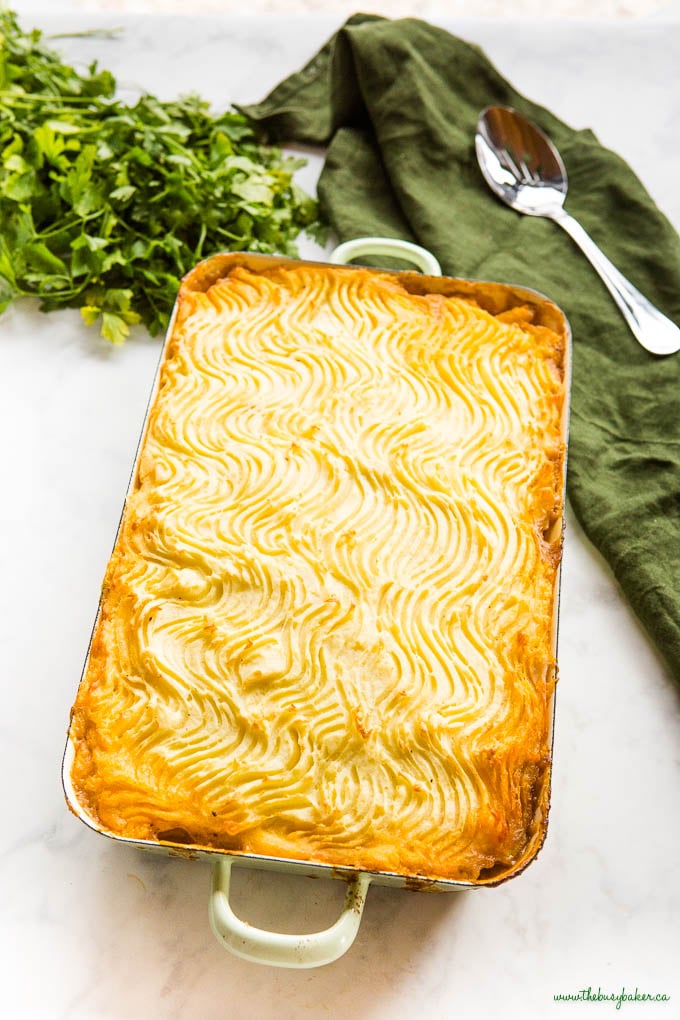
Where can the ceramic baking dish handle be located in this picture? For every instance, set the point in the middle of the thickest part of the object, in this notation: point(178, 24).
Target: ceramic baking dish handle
point(390, 246)
point(275, 948)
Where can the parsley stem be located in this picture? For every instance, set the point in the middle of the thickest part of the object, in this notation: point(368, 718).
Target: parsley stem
point(90, 33)
point(66, 225)
point(198, 250)
point(9, 96)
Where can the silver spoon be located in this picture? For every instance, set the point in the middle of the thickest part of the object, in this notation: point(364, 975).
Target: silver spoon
point(524, 169)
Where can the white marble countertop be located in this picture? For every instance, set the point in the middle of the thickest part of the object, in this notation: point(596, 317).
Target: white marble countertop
point(429, 9)
point(95, 931)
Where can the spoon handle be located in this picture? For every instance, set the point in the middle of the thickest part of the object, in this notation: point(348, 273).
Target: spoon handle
point(653, 330)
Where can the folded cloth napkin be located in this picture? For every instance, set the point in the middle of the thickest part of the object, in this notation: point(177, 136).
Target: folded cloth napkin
point(397, 102)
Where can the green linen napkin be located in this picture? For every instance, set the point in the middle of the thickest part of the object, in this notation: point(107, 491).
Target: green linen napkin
point(396, 102)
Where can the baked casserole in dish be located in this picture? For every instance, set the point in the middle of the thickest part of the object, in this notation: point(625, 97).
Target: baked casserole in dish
point(327, 629)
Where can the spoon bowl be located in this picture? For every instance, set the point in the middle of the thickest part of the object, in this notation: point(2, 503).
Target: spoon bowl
point(519, 162)
point(524, 169)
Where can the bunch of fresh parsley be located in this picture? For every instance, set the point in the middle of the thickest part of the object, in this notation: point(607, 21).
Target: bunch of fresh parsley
point(104, 205)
